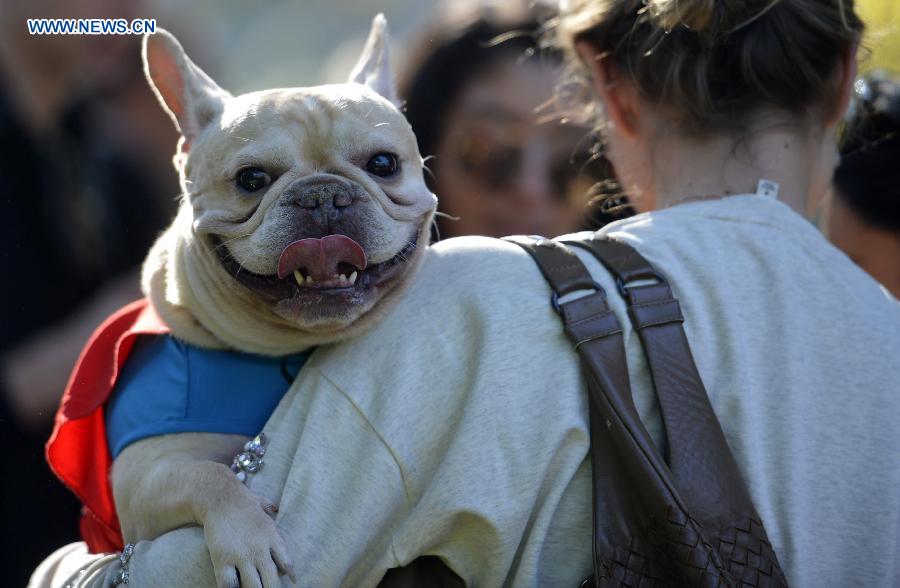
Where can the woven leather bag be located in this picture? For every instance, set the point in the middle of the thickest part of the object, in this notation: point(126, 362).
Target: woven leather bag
point(682, 517)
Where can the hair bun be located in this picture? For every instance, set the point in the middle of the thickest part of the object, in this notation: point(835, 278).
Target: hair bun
point(706, 16)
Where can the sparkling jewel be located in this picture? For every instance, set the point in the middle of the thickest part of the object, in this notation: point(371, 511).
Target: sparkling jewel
point(248, 462)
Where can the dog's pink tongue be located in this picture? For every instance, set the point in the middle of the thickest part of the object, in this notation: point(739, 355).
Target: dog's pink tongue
point(320, 257)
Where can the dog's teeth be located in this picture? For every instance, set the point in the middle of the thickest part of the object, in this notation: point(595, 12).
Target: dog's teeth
point(341, 279)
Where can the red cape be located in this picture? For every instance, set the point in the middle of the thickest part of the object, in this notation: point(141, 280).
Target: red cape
point(77, 450)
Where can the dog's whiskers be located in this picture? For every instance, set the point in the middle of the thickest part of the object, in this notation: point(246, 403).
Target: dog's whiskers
point(445, 215)
point(436, 228)
point(425, 161)
point(225, 241)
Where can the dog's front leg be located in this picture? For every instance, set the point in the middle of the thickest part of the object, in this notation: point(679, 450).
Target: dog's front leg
point(171, 481)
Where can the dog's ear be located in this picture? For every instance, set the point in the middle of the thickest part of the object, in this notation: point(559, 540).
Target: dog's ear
point(190, 96)
point(374, 66)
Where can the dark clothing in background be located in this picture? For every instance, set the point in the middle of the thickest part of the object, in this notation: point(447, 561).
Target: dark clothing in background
point(74, 214)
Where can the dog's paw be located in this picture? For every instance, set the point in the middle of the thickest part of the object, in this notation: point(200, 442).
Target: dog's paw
point(245, 547)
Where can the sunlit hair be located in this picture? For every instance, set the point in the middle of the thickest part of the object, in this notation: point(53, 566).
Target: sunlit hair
point(709, 65)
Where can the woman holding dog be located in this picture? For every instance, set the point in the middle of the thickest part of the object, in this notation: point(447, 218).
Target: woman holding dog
point(457, 428)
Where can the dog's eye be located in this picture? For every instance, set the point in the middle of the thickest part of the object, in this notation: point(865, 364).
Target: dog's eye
point(252, 179)
point(383, 165)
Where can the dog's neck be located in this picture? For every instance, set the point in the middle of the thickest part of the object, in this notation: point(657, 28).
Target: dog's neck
point(179, 281)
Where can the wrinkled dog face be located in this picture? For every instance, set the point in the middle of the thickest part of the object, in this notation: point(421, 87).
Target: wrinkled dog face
point(311, 199)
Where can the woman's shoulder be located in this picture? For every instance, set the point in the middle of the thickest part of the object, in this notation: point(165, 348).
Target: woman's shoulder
point(465, 251)
point(464, 265)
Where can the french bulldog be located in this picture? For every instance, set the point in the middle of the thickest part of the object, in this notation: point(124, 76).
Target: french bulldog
point(305, 214)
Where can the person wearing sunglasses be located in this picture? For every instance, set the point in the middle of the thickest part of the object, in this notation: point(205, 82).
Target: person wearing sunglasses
point(480, 96)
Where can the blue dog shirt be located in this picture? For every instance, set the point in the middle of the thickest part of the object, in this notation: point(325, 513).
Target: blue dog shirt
point(168, 386)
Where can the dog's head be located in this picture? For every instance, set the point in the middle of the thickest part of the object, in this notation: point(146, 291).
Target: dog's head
point(307, 206)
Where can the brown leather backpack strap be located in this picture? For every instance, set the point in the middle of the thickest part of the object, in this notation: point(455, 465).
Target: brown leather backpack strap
point(632, 488)
point(588, 321)
point(697, 452)
point(702, 465)
point(561, 268)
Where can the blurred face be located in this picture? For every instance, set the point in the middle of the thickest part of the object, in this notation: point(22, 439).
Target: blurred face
point(86, 58)
point(504, 170)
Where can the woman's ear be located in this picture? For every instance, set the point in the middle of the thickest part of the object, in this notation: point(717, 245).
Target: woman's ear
point(618, 95)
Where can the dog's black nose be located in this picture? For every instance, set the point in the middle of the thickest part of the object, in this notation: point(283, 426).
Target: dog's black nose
point(326, 194)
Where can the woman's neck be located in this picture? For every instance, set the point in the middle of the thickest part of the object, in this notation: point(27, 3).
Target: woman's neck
point(691, 169)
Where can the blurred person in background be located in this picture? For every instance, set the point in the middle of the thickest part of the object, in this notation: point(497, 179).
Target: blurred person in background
point(78, 215)
point(863, 213)
point(480, 95)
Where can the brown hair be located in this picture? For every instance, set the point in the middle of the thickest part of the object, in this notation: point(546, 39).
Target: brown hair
point(710, 63)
